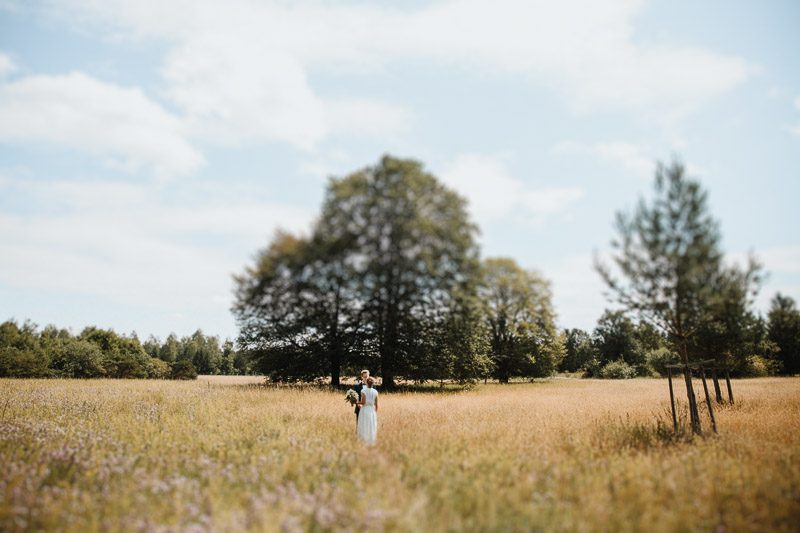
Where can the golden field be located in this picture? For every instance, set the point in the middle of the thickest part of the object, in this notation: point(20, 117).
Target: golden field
point(230, 454)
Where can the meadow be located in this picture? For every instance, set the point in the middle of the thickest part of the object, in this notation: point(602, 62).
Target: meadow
point(231, 454)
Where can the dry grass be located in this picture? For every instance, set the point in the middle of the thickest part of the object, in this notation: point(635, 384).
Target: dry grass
point(228, 454)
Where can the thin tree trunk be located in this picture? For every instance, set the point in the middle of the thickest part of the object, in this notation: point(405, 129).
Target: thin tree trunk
point(336, 358)
point(694, 415)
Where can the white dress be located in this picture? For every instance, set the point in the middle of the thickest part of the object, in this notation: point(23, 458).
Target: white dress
point(367, 428)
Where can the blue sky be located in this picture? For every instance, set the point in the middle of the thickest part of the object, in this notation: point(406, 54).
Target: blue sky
point(148, 149)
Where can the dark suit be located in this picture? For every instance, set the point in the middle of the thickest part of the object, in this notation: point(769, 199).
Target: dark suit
point(360, 385)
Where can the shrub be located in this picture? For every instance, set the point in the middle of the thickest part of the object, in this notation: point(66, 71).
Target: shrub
point(760, 367)
point(73, 358)
point(658, 359)
point(618, 370)
point(124, 365)
point(22, 363)
point(159, 369)
point(21, 352)
point(591, 369)
point(183, 370)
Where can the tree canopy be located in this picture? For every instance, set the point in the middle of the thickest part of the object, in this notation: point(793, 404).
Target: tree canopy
point(670, 263)
point(784, 332)
point(519, 316)
point(381, 267)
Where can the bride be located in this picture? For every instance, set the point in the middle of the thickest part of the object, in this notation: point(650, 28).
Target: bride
point(367, 428)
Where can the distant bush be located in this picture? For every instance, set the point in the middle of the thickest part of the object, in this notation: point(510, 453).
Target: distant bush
point(159, 369)
point(618, 370)
point(124, 366)
point(183, 370)
point(21, 353)
point(73, 358)
point(591, 368)
point(21, 363)
point(658, 359)
point(759, 367)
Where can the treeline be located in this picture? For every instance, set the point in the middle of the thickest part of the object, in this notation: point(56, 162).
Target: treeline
point(746, 342)
point(390, 278)
point(27, 352)
point(206, 353)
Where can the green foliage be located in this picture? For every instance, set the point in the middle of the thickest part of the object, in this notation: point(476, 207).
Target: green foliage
point(519, 316)
point(461, 350)
point(658, 359)
point(614, 339)
point(760, 367)
point(228, 359)
point(159, 369)
point(206, 353)
point(549, 353)
point(784, 331)
point(171, 349)
point(74, 358)
point(578, 350)
point(152, 347)
point(617, 337)
point(295, 310)
point(617, 370)
point(28, 353)
point(372, 285)
point(409, 243)
point(591, 368)
point(732, 333)
point(183, 370)
point(21, 352)
point(124, 357)
point(671, 267)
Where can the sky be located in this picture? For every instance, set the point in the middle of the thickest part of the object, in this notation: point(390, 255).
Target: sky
point(149, 149)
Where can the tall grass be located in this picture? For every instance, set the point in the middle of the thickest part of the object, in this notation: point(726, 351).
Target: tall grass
point(228, 455)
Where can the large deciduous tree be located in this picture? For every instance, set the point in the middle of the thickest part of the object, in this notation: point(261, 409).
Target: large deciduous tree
point(297, 312)
point(520, 319)
point(374, 282)
point(409, 243)
point(578, 349)
point(614, 339)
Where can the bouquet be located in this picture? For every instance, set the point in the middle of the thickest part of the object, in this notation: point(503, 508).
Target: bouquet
point(351, 396)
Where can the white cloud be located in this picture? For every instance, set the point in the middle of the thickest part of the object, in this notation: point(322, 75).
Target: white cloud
point(235, 90)
point(493, 194)
point(636, 160)
point(796, 129)
point(367, 119)
point(243, 72)
point(116, 123)
point(781, 264)
point(577, 291)
point(7, 65)
point(775, 92)
point(784, 259)
point(132, 245)
point(633, 158)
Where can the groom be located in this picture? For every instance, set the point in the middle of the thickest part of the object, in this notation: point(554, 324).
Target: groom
point(360, 385)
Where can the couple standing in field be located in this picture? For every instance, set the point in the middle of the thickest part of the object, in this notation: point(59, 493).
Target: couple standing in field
point(366, 409)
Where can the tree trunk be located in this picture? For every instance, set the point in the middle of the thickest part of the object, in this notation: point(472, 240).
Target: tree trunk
point(387, 370)
point(336, 365)
point(694, 415)
point(388, 349)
